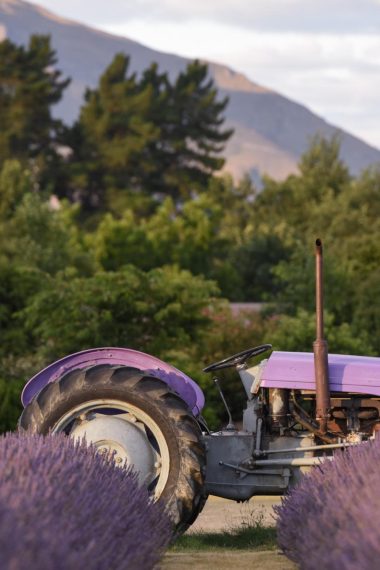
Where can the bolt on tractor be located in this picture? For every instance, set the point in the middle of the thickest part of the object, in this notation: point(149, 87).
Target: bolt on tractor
point(301, 408)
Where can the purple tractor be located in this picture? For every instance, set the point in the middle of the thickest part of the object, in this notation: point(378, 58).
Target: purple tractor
point(301, 407)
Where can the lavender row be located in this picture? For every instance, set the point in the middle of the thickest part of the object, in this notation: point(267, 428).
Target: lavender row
point(332, 518)
point(63, 506)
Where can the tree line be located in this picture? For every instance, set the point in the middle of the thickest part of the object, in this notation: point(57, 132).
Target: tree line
point(119, 230)
point(142, 134)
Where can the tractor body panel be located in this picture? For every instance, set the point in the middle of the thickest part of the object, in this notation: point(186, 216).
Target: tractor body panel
point(185, 387)
point(229, 472)
point(349, 374)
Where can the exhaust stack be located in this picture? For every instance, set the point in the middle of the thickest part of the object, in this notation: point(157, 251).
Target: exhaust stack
point(320, 348)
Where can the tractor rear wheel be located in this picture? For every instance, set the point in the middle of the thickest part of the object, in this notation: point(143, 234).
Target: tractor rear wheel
point(139, 420)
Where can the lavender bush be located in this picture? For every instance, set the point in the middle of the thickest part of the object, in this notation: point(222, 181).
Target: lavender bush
point(332, 518)
point(62, 506)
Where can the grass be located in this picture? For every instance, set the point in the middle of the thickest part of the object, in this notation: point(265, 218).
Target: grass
point(250, 535)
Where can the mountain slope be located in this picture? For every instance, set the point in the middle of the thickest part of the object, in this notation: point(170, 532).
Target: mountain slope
point(271, 131)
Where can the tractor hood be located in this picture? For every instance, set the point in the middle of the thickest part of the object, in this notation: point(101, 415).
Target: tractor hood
point(185, 387)
point(295, 371)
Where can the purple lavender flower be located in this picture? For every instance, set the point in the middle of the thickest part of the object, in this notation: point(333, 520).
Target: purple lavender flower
point(332, 518)
point(63, 506)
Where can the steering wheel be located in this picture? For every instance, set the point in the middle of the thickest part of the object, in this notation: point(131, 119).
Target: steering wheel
point(238, 358)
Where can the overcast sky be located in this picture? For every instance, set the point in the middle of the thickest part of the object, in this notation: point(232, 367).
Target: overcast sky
point(323, 53)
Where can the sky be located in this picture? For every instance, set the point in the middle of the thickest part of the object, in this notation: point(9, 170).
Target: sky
point(322, 53)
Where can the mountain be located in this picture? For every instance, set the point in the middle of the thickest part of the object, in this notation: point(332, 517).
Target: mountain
point(271, 131)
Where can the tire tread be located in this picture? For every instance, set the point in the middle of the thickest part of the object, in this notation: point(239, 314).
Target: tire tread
point(188, 498)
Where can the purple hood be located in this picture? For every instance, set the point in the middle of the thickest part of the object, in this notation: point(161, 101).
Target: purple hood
point(189, 391)
point(295, 370)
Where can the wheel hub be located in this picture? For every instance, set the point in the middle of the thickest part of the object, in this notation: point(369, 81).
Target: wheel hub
point(127, 432)
point(125, 440)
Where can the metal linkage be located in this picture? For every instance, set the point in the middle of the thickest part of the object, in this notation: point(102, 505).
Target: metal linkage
point(250, 471)
point(284, 472)
point(259, 453)
point(295, 462)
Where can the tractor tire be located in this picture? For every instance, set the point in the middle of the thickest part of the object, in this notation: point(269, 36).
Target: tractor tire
point(170, 431)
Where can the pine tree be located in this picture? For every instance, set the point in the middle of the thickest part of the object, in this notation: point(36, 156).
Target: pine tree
point(147, 135)
point(111, 135)
point(190, 119)
point(193, 131)
point(29, 85)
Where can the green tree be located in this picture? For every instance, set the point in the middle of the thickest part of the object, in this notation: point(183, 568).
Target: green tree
point(45, 237)
point(190, 119)
point(304, 206)
point(297, 333)
point(110, 139)
point(146, 134)
point(321, 167)
point(230, 333)
point(367, 311)
point(10, 404)
point(17, 286)
point(15, 182)
point(192, 237)
point(18, 360)
point(295, 278)
point(276, 256)
point(154, 311)
point(29, 85)
point(123, 241)
point(256, 260)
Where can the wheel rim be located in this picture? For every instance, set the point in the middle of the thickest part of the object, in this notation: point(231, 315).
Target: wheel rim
point(125, 431)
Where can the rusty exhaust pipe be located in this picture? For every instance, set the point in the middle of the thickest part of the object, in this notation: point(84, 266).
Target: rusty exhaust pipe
point(320, 348)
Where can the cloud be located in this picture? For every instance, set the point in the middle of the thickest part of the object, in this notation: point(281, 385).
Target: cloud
point(321, 52)
point(341, 16)
point(336, 76)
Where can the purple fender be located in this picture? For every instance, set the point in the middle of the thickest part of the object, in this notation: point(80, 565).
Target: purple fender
point(185, 387)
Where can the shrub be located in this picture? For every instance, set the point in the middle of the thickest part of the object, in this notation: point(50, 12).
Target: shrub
point(332, 518)
point(63, 506)
point(10, 404)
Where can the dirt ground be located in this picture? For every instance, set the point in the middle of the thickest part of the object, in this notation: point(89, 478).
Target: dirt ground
point(227, 559)
point(219, 515)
